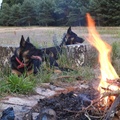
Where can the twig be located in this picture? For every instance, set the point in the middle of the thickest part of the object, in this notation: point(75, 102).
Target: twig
point(87, 115)
point(61, 77)
point(113, 107)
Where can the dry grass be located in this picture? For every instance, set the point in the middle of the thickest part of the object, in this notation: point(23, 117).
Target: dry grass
point(39, 35)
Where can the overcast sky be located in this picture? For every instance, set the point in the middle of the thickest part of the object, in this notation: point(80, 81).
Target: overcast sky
point(0, 2)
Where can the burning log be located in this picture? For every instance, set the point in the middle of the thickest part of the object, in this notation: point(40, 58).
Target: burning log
point(112, 109)
point(115, 82)
point(111, 93)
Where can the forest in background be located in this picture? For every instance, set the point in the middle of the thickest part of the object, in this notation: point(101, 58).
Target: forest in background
point(59, 12)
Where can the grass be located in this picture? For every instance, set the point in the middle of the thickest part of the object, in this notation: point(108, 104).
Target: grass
point(18, 85)
point(25, 85)
point(116, 56)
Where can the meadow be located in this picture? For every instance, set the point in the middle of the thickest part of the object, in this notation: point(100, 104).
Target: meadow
point(11, 35)
point(43, 36)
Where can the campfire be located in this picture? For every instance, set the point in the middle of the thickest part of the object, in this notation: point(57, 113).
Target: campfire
point(86, 104)
point(110, 83)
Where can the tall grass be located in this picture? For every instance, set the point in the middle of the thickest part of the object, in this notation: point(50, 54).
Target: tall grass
point(24, 85)
point(116, 56)
point(19, 85)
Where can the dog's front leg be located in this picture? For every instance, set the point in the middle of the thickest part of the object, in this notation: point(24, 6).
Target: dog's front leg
point(53, 62)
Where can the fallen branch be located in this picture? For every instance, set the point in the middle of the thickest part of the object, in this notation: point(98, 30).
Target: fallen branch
point(111, 93)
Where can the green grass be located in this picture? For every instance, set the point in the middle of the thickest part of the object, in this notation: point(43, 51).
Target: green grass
point(25, 85)
point(108, 30)
point(116, 56)
point(18, 85)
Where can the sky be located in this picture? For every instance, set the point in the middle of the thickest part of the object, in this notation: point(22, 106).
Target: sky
point(0, 2)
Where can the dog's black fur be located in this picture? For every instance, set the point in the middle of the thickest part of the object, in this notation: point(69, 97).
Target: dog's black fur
point(28, 54)
point(72, 38)
point(53, 52)
point(23, 60)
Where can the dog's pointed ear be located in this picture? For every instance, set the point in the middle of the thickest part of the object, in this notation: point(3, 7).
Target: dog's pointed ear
point(69, 30)
point(28, 39)
point(22, 41)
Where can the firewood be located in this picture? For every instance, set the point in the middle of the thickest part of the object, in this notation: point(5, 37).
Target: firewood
point(112, 109)
point(111, 93)
point(115, 82)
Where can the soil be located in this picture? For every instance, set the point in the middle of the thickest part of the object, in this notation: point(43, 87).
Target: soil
point(67, 105)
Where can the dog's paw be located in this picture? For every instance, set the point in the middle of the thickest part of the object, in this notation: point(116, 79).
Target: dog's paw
point(57, 71)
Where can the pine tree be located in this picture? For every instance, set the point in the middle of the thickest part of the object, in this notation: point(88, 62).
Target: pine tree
point(4, 14)
point(77, 12)
point(15, 14)
point(45, 12)
point(12, 2)
point(28, 12)
point(106, 12)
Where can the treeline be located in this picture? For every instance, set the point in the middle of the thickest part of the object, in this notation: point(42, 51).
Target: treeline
point(59, 12)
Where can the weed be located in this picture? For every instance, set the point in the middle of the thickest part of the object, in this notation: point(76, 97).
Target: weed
point(15, 84)
point(116, 56)
point(44, 75)
point(92, 57)
point(5, 70)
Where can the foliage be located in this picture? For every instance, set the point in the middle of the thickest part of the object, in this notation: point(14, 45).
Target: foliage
point(59, 12)
point(44, 75)
point(45, 12)
point(28, 12)
point(4, 14)
point(12, 2)
point(15, 15)
point(15, 84)
point(106, 12)
point(115, 50)
point(77, 12)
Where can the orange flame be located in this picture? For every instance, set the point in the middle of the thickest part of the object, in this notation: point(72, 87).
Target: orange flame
point(104, 49)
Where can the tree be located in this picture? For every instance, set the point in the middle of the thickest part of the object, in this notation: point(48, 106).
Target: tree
point(12, 2)
point(61, 11)
point(77, 12)
point(28, 12)
point(4, 14)
point(45, 12)
point(72, 12)
point(14, 18)
point(106, 12)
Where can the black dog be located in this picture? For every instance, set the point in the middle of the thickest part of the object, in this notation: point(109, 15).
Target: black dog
point(26, 58)
point(52, 53)
point(72, 38)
